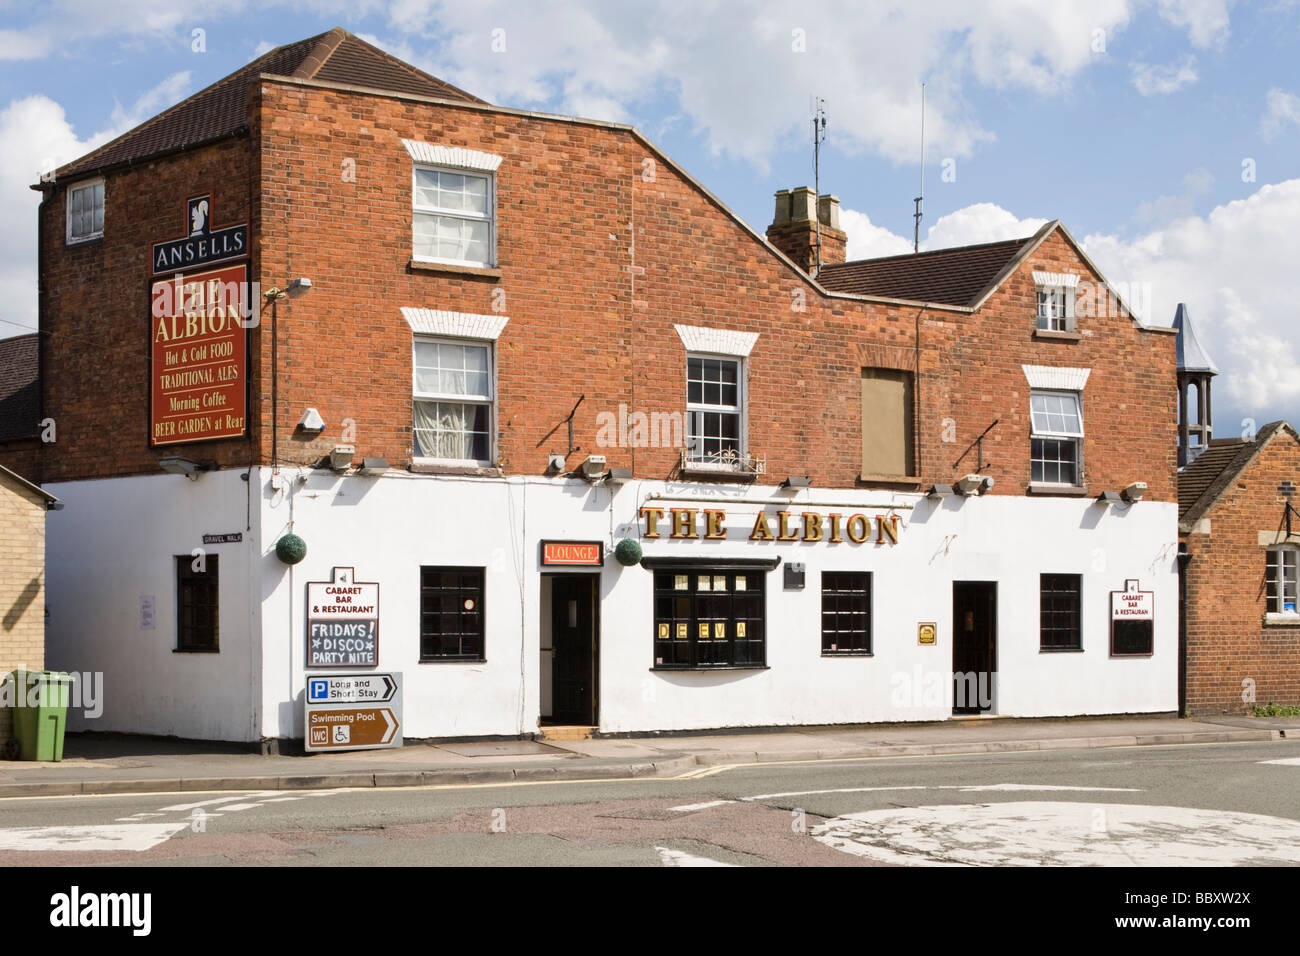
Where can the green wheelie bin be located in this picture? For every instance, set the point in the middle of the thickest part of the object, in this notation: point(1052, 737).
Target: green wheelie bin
point(40, 713)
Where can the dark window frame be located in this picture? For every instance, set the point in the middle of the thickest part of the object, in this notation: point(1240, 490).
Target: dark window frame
point(1059, 594)
point(478, 614)
point(694, 606)
point(837, 595)
point(197, 591)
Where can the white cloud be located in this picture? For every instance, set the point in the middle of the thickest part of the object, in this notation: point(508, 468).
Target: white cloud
point(1283, 109)
point(1196, 184)
point(749, 92)
point(1206, 20)
point(36, 137)
point(1234, 268)
point(981, 222)
point(1152, 79)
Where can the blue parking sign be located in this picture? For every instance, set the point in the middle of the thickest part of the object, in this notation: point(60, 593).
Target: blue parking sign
point(318, 690)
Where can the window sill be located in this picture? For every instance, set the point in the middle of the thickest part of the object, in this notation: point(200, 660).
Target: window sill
point(1061, 491)
point(717, 474)
point(1273, 619)
point(848, 653)
point(84, 241)
point(196, 650)
point(710, 668)
point(1060, 650)
point(1056, 336)
point(472, 471)
point(900, 481)
point(452, 660)
point(486, 272)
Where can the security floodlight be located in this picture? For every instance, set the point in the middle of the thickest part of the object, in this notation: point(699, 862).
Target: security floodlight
point(593, 467)
point(969, 485)
point(182, 466)
point(617, 476)
point(797, 481)
point(373, 466)
point(311, 421)
point(1134, 492)
point(939, 492)
point(1108, 498)
point(298, 286)
point(341, 457)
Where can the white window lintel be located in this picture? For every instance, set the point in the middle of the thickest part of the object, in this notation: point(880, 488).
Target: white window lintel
point(1056, 379)
point(457, 325)
point(1056, 280)
point(457, 156)
point(717, 341)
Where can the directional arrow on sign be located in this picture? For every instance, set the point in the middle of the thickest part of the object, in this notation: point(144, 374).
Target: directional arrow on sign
point(392, 726)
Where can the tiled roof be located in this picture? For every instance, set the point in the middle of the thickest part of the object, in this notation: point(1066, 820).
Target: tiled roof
point(1214, 470)
point(20, 389)
point(949, 276)
point(220, 110)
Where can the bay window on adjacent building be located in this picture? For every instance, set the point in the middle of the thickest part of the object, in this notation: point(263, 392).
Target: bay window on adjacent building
point(1056, 437)
point(709, 617)
point(452, 216)
point(453, 401)
point(715, 422)
point(1281, 579)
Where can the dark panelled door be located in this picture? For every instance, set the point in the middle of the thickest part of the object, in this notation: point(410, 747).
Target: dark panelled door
point(573, 635)
point(974, 645)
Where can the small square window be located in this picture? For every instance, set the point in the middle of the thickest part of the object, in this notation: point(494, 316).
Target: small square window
point(1055, 309)
point(451, 614)
point(85, 211)
point(1281, 579)
point(846, 612)
point(1059, 604)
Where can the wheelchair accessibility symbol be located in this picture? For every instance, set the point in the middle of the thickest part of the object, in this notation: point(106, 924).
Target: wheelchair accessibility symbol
point(342, 734)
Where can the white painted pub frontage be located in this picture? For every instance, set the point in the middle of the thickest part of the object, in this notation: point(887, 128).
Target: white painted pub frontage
point(504, 605)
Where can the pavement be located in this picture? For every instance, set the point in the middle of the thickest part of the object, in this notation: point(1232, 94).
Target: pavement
point(118, 763)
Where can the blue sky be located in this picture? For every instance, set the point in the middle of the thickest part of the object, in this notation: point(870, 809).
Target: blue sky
point(1129, 121)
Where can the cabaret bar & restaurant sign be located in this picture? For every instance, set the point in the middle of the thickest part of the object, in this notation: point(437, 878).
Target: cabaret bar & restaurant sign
point(198, 335)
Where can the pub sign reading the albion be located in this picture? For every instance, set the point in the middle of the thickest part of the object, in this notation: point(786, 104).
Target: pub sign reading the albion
point(198, 322)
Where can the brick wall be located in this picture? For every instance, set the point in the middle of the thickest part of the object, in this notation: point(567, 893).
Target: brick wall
point(588, 315)
point(1227, 641)
point(22, 584)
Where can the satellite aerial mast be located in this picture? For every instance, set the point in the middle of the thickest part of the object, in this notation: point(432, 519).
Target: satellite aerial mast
point(819, 134)
point(920, 200)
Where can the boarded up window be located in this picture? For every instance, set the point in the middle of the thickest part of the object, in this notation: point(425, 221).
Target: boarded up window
point(887, 422)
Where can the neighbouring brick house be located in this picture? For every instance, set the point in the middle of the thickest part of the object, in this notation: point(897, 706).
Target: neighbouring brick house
point(486, 347)
point(22, 579)
point(1240, 540)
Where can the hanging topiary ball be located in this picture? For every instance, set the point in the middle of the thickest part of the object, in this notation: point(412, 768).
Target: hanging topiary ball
point(628, 552)
point(291, 549)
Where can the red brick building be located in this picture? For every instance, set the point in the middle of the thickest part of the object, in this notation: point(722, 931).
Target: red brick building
point(504, 330)
point(1240, 538)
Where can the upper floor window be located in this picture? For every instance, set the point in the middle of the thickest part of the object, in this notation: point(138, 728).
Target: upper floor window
point(86, 211)
point(1056, 433)
point(714, 431)
point(1281, 579)
point(887, 422)
point(453, 398)
point(453, 217)
point(1055, 296)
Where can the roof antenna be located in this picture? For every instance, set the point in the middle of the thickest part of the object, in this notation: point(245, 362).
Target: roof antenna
point(819, 134)
point(920, 200)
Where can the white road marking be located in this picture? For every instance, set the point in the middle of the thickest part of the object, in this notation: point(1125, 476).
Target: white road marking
point(235, 807)
point(1035, 833)
point(691, 807)
point(959, 787)
point(133, 836)
point(180, 807)
point(1289, 762)
point(677, 858)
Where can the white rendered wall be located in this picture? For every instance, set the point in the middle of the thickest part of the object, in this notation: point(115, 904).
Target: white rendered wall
point(116, 539)
point(387, 527)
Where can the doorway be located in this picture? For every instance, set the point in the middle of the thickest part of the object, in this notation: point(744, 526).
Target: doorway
point(974, 645)
point(575, 651)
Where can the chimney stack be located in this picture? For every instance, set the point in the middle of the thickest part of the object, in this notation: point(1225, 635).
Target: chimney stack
point(795, 226)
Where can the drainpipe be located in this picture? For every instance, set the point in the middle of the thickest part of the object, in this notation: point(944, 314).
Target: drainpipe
point(1184, 559)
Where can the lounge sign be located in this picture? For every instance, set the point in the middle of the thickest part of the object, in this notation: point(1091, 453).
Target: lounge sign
point(585, 554)
point(710, 524)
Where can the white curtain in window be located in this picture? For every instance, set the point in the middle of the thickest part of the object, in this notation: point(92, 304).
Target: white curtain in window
point(442, 430)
